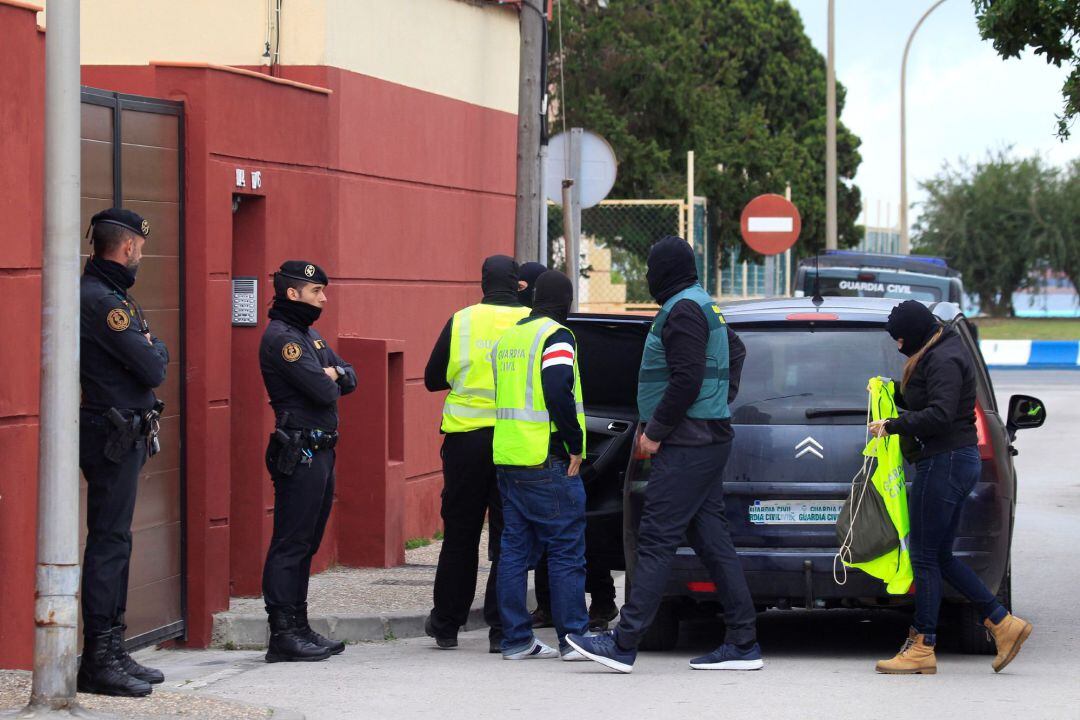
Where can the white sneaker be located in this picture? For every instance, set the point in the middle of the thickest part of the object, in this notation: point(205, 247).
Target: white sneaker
point(536, 651)
point(572, 655)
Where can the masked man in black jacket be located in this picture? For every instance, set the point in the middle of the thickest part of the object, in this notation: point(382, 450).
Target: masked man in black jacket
point(689, 375)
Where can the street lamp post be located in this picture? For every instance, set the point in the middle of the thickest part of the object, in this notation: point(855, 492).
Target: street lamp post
point(905, 240)
point(830, 135)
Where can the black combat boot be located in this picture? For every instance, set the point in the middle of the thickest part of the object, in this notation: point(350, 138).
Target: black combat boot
point(127, 663)
point(100, 672)
point(304, 630)
point(286, 642)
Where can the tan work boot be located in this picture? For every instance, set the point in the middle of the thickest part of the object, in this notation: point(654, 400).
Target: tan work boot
point(1009, 635)
point(914, 658)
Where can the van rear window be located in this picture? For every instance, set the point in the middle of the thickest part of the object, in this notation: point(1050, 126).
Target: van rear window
point(798, 375)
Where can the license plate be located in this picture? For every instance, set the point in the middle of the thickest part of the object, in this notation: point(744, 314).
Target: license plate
point(795, 512)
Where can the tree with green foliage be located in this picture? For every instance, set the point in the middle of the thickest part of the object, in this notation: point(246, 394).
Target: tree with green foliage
point(1061, 222)
point(1048, 26)
point(738, 82)
point(990, 220)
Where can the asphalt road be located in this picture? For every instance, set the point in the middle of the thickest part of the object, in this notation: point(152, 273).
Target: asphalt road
point(819, 664)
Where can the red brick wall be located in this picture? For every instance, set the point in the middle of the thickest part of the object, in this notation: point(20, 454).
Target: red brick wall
point(22, 107)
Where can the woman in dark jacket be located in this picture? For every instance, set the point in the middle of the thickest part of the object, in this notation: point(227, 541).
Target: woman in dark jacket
point(938, 429)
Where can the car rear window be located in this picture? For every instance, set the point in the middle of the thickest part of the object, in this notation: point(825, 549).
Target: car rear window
point(880, 286)
point(796, 375)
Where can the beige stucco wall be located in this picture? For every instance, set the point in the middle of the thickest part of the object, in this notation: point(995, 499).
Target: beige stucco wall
point(453, 48)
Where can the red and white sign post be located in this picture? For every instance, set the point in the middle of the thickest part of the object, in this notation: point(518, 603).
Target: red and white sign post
point(770, 225)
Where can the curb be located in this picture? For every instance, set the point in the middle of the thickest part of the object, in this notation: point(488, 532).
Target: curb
point(244, 631)
point(1031, 354)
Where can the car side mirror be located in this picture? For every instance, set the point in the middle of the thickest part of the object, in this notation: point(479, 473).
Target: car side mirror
point(1025, 413)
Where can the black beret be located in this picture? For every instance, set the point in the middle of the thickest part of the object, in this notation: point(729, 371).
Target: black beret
point(303, 270)
point(124, 218)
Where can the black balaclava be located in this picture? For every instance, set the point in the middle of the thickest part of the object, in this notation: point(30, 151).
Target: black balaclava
point(119, 276)
point(553, 297)
point(671, 268)
point(529, 272)
point(912, 321)
point(499, 280)
point(295, 313)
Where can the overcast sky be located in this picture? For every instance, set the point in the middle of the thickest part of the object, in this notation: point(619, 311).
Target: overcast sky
point(962, 98)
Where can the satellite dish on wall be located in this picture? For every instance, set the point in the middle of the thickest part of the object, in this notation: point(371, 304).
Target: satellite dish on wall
point(598, 167)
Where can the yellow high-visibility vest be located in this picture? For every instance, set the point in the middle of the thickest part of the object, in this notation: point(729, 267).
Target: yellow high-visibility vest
point(523, 425)
point(473, 333)
point(894, 567)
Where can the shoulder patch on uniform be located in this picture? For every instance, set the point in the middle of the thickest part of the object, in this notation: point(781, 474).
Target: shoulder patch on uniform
point(118, 320)
point(292, 352)
point(320, 344)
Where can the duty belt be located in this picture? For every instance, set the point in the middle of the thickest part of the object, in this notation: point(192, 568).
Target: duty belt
point(315, 440)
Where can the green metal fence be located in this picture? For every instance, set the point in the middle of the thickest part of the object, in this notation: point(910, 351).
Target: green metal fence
point(615, 239)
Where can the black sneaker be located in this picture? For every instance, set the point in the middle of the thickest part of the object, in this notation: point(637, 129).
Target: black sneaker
point(730, 657)
point(444, 642)
point(541, 618)
point(603, 649)
point(600, 616)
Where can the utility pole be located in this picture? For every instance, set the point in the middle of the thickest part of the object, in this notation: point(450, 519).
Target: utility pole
point(533, 21)
point(56, 610)
point(905, 240)
point(830, 134)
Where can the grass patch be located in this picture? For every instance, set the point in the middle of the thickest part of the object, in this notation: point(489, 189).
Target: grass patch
point(413, 543)
point(1028, 328)
point(439, 535)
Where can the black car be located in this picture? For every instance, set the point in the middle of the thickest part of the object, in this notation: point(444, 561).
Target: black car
point(800, 427)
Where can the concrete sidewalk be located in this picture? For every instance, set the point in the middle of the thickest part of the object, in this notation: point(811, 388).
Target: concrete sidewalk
point(358, 604)
point(170, 701)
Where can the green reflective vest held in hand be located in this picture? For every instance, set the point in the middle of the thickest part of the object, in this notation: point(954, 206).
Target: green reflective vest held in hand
point(893, 567)
point(523, 425)
point(473, 333)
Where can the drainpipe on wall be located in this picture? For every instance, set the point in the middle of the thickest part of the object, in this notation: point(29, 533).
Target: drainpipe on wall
point(56, 610)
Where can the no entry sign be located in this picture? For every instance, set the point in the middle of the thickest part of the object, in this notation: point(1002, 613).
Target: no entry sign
point(770, 224)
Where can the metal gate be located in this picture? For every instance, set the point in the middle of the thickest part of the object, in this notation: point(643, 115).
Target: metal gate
point(132, 156)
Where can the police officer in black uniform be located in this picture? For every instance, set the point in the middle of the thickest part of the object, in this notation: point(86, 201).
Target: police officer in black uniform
point(304, 378)
point(122, 363)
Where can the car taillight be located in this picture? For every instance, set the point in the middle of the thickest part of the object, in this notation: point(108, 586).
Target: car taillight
point(701, 587)
point(867, 277)
point(986, 449)
point(813, 317)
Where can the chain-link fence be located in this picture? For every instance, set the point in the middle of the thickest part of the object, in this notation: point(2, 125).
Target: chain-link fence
point(615, 239)
point(742, 279)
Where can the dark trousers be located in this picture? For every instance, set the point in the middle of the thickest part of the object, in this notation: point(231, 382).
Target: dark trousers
point(685, 497)
point(942, 484)
point(302, 503)
point(598, 581)
point(110, 505)
point(470, 491)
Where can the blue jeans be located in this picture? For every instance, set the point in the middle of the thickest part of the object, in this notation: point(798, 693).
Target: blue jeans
point(543, 510)
point(942, 483)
